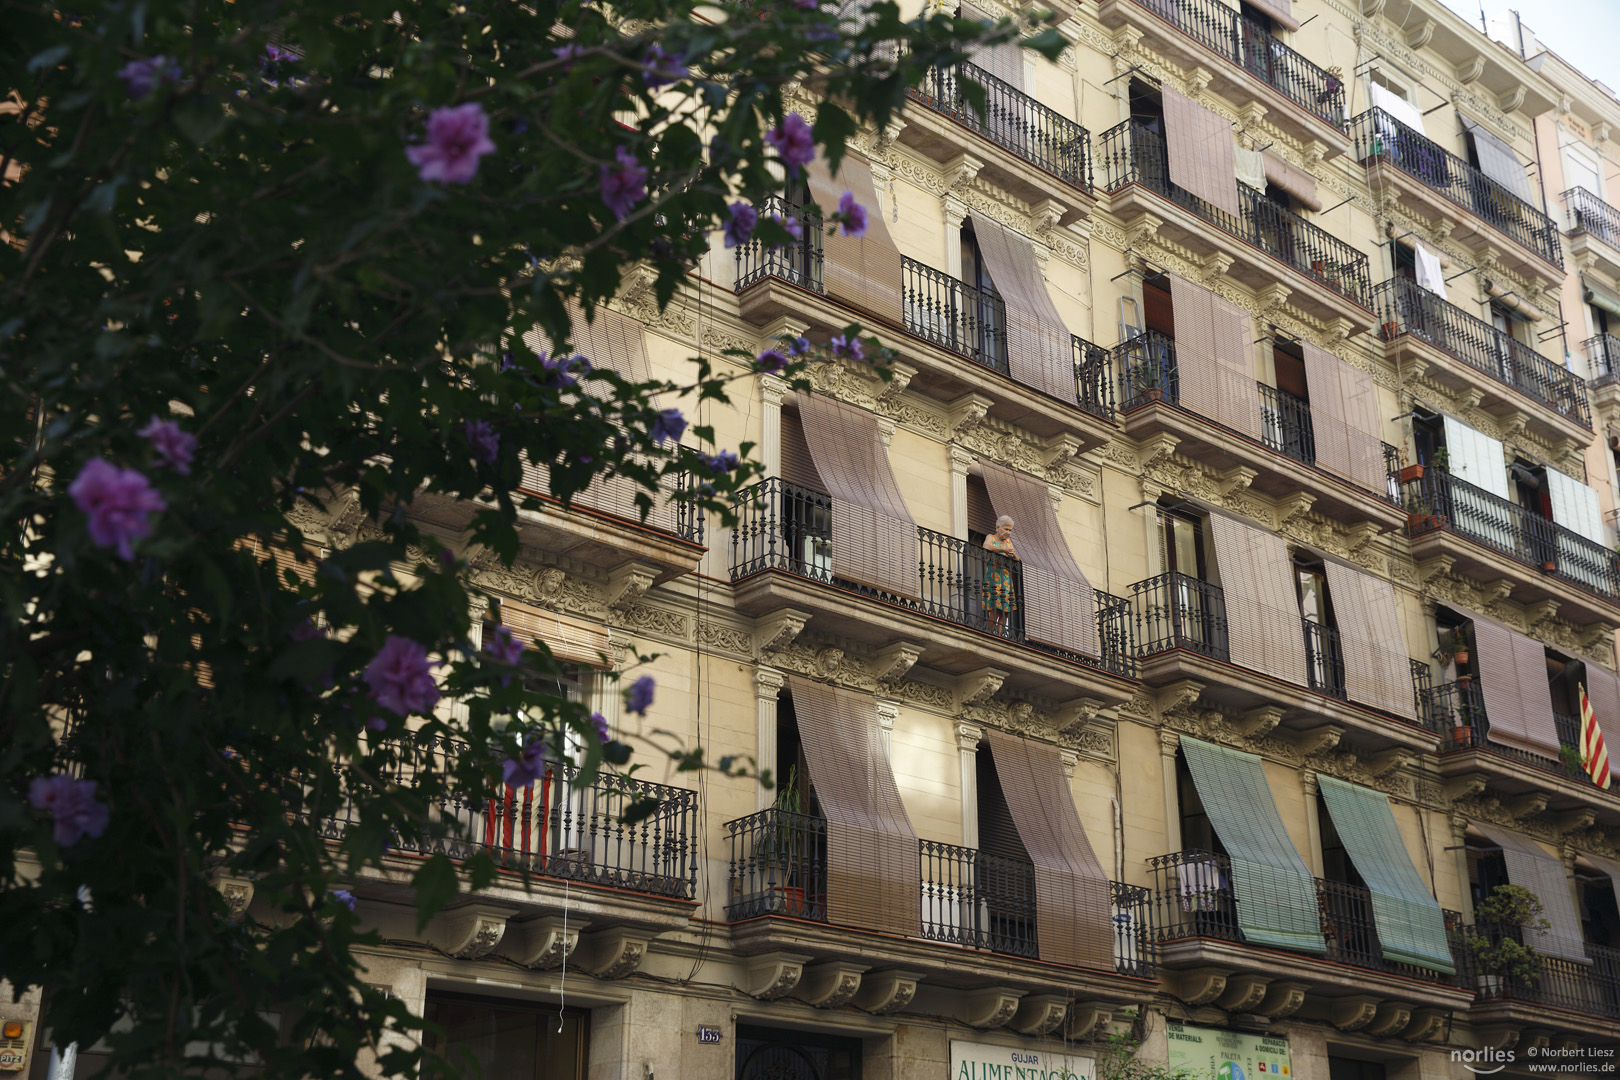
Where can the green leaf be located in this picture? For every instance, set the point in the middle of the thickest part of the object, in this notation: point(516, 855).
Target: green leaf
point(435, 885)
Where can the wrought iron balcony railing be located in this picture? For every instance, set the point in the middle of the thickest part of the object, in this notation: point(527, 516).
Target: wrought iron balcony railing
point(1380, 137)
point(1603, 353)
point(799, 262)
point(554, 828)
point(1404, 307)
point(1423, 693)
point(782, 526)
point(1134, 154)
point(1439, 500)
point(1324, 659)
point(1194, 898)
point(1175, 611)
point(954, 315)
point(1592, 988)
point(1285, 424)
point(1253, 48)
point(977, 899)
point(1012, 120)
point(1456, 710)
point(1590, 214)
point(1147, 370)
point(1093, 378)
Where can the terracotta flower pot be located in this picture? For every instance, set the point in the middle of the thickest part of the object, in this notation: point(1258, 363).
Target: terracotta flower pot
point(1462, 735)
point(1410, 473)
point(1461, 656)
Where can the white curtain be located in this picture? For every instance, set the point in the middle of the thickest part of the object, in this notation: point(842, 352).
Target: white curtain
point(1477, 458)
point(1430, 274)
point(1398, 108)
point(1575, 507)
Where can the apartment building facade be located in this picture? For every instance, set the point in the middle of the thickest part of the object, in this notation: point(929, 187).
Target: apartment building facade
point(1284, 333)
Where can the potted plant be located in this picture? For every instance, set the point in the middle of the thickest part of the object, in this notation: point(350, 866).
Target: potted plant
point(1454, 643)
point(1503, 920)
point(1441, 459)
point(1573, 766)
point(1146, 381)
point(781, 845)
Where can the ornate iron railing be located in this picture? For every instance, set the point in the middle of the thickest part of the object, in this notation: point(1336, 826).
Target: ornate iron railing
point(1324, 658)
point(1592, 988)
point(777, 866)
point(1134, 154)
point(1439, 500)
point(1590, 214)
point(1381, 137)
point(1252, 47)
point(1351, 933)
point(977, 899)
point(1285, 424)
point(1093, 378)
point(1175, 611)
point(782, 526)
point(1136, 939)
point(954, 315)
point(1422, 693)
point(1404, 307)
point(1603, 353)
point(1012, 120)
point(799, 262)
point(554, 828)
point(1147, 370)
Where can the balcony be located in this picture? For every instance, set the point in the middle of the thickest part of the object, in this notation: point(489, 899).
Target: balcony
point(1299, 97)
point(1196, 916)
point(1594, 231)
point(1182, 636)
point(1012, 133)
point(1566, 996)
point(1543, 560)
point(1603, 353)
point(1436, 183)
point(1150, 405)
point(944, 323)
point(1430, 338)
point(782, 558)
point(972, 902)
point(1268, 245)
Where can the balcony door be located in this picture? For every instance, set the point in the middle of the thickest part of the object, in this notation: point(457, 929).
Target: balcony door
point(1324, 658)
point(980, 323)
point(1194, 622)
point(1540, 537)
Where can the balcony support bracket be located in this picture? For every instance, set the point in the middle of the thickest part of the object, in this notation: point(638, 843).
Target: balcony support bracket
point(628, 584)
point(893, 662)
point(1389, 761)
point(1200, 986)
point(1319, 740)
point(1428, 1025)
point(779, 629)
point(885, 992)
point(775, 975)
point(1526, 806)
point(1039, 1014)
point(830, 985)
point(1354, 1012)
point(1466, 787)
point(1497, 1036)
point(1391, 1019)
point(1243, 993)
point(968, 412)
point(1257, 723)
point(1283, 999)
point(978, 686)
point(542, 944)
point(1087, 1021)
point(992, 1007)
point(613, 954)
point(470, 932)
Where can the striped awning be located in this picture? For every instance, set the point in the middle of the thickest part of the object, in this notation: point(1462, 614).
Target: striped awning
point(1530, 867)
point(1262, 609)
point(1275, 889)
point(1411, 927)
point(571, 640)
point(1058, 603)
point(1040, 349)
point(860, 270)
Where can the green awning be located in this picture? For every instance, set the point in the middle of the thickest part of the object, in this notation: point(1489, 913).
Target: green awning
point(1411, 927)
point(1276, 891)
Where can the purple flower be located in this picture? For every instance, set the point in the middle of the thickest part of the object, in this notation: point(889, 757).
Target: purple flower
point(342, 896)
point(852, 214)
point(141, 77)
point(771, 361)
point(791, 225)
point(625, 186)
point(528, 766)
point(850, 347)
point(741, 225)
point(457, 136)
point(503, 648)
point(602, 734)
point(72, 803)
point(400, 678)
point(668, 67)
point(568, 54)
point(274, 54)
point(668, 424)
point(640, 695)
point(792, 139)
point(561, 370)
point(486, 445)
point(447, 557)
point(723, 462)
point(117, 501)
point(377, 723)
point(806, 5)
point(174, 447)
point(799, 346)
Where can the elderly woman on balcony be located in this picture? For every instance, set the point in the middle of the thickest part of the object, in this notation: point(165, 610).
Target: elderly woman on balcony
point(1000, 591)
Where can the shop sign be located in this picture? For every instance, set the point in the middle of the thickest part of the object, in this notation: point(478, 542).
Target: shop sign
point(1215, 1054)
point(989, 1061)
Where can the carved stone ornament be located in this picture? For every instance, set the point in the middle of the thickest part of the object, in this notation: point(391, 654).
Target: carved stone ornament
point(1353, 1013)
point(774, 975)
point(830, 985)
point(1427, 1025)
point(884, 992)
point(1039, 1014)
point(1282, 999)
point(543, 943)
point(471, 931)
point(238, 893)
point(1391, 1020)
point(992, 1007)
point(613, 954)
point(779, 629)
point(1243, 993)
point(1200, 986)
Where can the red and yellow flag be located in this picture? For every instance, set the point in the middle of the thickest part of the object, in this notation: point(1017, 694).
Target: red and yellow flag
point(1594, 756)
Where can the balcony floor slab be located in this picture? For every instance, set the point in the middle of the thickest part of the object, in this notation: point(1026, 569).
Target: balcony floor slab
point(1326, 979)
point(1508, 777)
point(1446, 551)
point(1593, 1029)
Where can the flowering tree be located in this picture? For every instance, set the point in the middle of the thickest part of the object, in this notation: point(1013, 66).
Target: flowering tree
point(260, 254)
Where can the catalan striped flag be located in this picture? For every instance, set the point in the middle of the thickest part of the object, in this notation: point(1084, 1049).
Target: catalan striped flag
point(1594, 756)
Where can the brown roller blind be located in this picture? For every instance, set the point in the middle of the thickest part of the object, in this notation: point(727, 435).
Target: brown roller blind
point(874, 538)
point(1513, 684)
point(1603, 690)
point(1199, 149)
point(571, 640)
point(862, 271)
point(797, 466)
point(981, 515)
point(1280, 10)
point(1291, 178)
point(874, 876)
point(1345, 419)
point(1262, 614)
point(1073, 900)
point(1377, 671)
point(1005, 62)
point(1214, 358)
point(1530, 867)
point(1040, 349)
point(1058, 604)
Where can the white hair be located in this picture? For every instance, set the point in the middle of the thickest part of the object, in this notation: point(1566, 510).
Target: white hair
point(1004, 518)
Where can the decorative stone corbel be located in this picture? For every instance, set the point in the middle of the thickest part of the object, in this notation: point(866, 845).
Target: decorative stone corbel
point(1200, 986)
point(778, 629)
point(1512, 100)
point(1293, 508)
point(1250, 114)
point(1197, 80)
point(1380, 765)
point(1525, 806)
point(1086, 1020)
point(979, 685)
point(893, 661)
point(542, 943)
point(903, 374)
point(628, 584)
point(1428, 1025)
point(961, 170)
point(1059, 450)
point(1214, 265)
point(1371, 9)
point(1039, 1014)
point(613, 954)
point(1282, 999)
point(1243, 993)
point(237, 891)
point(1353, 1013)
point(1497, 1037)
point(991, 1007)
point(1420, 35)
point(1573, 821)
point(891, 131)
point(885, 992)
point(470, 931)
point(1390, 1020)
point(1179, 695)
point(1235, 481)
point(1471, 69)
point(1534, 1041)
point(1142, 231)
point(1075, 716)
point(831, 984)
point(1468, 786)
point(774, 975)
point(1259, 722)
point(967, 412)
point(1045, 215)
point(1319, 740)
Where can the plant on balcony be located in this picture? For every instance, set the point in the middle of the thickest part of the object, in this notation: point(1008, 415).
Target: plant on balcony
point(1504, 918)
point(1147, 381)
point(781, 849)
point(1454, 643)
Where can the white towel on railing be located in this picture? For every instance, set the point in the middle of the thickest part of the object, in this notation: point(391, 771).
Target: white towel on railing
point(1429, 273)
point(1251, 168)
point(1398, 108)
point(1200, 884)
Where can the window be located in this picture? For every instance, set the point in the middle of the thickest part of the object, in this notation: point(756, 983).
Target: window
point(1351, 1069)
point(1182, 543)
point(506, 1040)
point(983, 315)
point(1197, 833)
point(1336, 862)
point(1600, 915)
point(1487, 869)
point(1405, 260)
